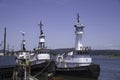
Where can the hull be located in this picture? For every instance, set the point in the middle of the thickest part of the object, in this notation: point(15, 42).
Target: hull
point(6, 73)
point(45, 66)
point(92, 70)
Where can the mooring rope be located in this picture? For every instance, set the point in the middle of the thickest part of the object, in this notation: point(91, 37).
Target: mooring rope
point(42, 69)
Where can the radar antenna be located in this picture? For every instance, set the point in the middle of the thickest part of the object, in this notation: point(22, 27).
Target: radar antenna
point(41, 31)
point(78, 18)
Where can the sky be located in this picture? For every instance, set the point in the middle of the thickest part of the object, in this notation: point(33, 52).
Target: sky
point(100, 17)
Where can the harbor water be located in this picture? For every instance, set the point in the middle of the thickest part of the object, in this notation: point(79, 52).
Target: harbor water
point(110, 69)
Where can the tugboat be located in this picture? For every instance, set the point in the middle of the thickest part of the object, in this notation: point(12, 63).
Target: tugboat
point(23, 56)
point(41, 60)
point(77, 62)
point(23, 53)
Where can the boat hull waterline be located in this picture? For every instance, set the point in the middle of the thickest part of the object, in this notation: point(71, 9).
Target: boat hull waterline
point(92, 71)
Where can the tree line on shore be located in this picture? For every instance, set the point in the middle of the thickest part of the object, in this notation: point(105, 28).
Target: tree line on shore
point(92, 52)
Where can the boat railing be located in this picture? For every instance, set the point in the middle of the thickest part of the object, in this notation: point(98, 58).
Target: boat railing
point(60, 57)
point(84, 50)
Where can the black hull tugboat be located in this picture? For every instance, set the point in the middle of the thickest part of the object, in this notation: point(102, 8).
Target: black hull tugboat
point(22, 59)
point(42, 63)
point(91, 71)
point(40, 59)
point(38, 62)
point(77, 62)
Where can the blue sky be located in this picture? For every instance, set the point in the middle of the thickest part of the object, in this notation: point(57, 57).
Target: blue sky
point(100, 17)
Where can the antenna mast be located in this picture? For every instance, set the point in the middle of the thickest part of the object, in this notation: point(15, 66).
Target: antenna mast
point(78, 18)
point(23, 42)
point(4, 41)
point(41, 44)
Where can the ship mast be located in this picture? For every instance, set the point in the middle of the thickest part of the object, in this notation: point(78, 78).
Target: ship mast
point(78, 32)
point(41, 44)
point(5, 41)
point(23, 42)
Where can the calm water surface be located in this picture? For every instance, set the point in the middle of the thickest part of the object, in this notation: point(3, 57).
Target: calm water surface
point(110, 69)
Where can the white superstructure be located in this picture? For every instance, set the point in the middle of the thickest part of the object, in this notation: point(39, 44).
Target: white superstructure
point(23, 54)
point(43, 56)
point(79, 48)
point(78, 32)
point(41, 44)
point(41, 53)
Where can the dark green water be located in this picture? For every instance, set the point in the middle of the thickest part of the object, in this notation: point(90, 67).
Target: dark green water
point(110, 69)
